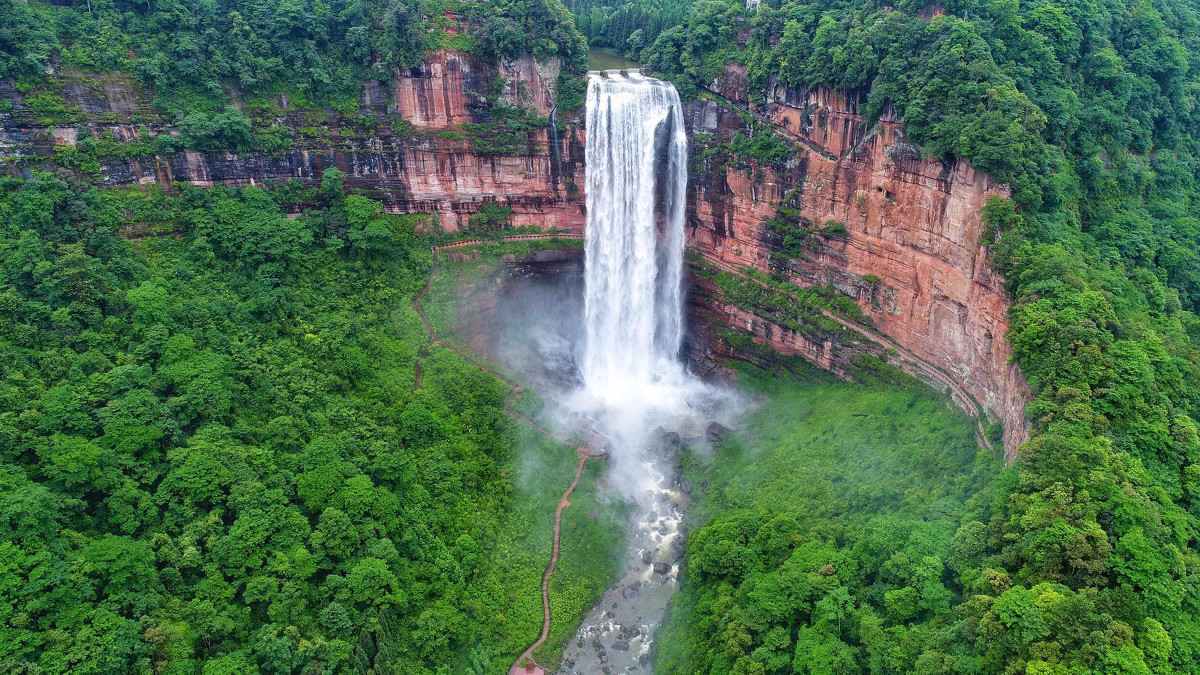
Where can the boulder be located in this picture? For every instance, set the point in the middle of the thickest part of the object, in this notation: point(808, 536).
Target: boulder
point(715, 432)
point(662, 567)
point(670, 440)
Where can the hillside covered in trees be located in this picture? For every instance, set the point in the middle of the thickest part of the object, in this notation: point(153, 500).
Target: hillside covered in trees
point(212, 458)
point(318, 53)
point(1085, 559)
point(216, 458)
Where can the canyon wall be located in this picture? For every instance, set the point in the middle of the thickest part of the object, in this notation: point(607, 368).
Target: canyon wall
point(899, 233)
point(906, 245)
point(411, 143)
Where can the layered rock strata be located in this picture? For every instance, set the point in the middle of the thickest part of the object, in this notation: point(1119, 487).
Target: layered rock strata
point(411, 144)
point(897, 232)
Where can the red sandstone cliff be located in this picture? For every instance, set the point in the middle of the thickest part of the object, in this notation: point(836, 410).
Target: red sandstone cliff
point(911, 254)
point(407, 144)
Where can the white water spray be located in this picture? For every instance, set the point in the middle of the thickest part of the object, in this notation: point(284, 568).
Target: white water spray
point(636, 184)
point(637, 393)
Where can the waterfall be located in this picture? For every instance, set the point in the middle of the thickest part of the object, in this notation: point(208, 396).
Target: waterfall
point(637, 398)
point(636, 185)
point(555, 150)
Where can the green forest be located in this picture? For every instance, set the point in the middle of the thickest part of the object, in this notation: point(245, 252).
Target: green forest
point(1085, 560)
point(319, 53)
point(830, 520)
point(214, 458)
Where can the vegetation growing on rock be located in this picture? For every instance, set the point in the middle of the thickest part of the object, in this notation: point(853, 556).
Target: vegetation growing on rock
point(210, 441)
point(1088, 558)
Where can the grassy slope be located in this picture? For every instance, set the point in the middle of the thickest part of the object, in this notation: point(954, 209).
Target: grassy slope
point(513, 571)
point(589, 561)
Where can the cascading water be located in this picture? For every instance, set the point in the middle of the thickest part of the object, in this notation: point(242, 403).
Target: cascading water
point(636, 183)
point(636, 392)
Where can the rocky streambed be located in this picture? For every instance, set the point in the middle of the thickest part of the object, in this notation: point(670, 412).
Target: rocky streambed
point(618, 635)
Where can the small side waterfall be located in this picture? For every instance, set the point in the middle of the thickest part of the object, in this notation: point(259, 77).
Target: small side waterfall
point(636, 185)
point(555, 150)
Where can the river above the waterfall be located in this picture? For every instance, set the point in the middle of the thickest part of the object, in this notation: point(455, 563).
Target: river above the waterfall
point(603, 59)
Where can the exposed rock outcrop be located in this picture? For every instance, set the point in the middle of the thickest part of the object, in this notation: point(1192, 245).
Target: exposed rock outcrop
point(906, 245)
point(441, 92)
point(407, 145)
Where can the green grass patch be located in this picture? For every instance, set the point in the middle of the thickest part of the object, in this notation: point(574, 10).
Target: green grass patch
point(589, 561)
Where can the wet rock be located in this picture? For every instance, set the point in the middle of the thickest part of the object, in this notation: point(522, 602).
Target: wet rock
point(652, 516)
point(669, 440)
point(715, 432)
point(662, 567)
point(632, 590)
point(621, 645)
point(646, 557)
point(685, 486)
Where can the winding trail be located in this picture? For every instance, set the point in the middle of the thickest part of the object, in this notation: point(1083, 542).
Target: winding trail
point(515, 390)
point(563, 503)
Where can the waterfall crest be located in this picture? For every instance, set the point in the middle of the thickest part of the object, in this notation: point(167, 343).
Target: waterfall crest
point(636, 185)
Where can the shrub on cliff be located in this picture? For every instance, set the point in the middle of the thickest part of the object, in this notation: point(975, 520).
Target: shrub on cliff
point(762, 146)
point(215, 132)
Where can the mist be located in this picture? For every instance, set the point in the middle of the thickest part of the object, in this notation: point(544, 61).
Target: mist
point(599, 341)
point(537, 334)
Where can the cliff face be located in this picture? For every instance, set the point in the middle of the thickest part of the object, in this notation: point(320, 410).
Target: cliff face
point(906, 242)
point(905, 245)
point(411, 143)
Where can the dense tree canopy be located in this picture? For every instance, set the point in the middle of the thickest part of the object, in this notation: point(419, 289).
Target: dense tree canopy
point(1087, 561)
point(191, 51)
point(203, 462)
point(212, 454)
